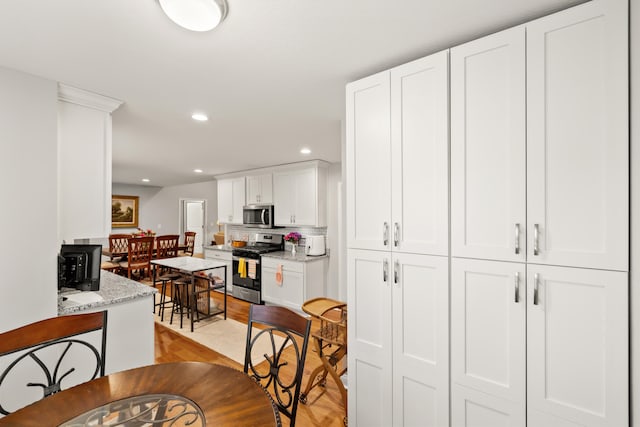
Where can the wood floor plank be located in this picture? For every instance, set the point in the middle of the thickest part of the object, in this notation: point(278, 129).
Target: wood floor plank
point(324, 406)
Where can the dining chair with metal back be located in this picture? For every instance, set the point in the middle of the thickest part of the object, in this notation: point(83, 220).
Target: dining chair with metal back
point(140, 250)
point(189, 243)
point(278, 376)
point(51, 355)
point(166, 247)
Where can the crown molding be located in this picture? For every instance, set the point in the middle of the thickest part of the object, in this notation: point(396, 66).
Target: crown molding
point(85, 98)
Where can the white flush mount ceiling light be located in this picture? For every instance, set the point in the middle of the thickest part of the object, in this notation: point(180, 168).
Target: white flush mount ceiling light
point(199, 117)
point(195, 15)
point(197, 170)
point(305, 151)
point(145, 180)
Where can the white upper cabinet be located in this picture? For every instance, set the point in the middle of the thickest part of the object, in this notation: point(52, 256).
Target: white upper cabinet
point(397, 156)
point(488, 197)
point(299, 196)
point(84, 163)
point(419, 156)
point(577, 137)
point(231, 199)
point(368, 136)
point(259, 189)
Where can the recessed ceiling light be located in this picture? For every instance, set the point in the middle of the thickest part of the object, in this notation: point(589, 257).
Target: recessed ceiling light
point(145, 180)
point(305, 151)
point(195, 15)
point(197, 170)
point(199, 117)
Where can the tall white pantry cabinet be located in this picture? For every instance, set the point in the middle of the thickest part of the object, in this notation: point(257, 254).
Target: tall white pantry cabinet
point(397, 216)
point(535, 278)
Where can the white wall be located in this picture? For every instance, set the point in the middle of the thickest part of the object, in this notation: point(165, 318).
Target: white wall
point(160, 206)
point(28, 190)
point(335, 289)
point(635, 211)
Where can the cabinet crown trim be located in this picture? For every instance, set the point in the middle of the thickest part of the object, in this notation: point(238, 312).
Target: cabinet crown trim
point(274, 169)
point(85, 98)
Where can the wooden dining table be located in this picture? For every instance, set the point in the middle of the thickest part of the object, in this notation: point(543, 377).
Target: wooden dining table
point(120, 254)
point(176, 394)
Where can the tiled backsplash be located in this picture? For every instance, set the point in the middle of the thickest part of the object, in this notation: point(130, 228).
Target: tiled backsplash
point(239, 232)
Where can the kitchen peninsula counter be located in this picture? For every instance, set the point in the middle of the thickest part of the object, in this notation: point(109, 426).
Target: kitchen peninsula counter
point(114, 289)
point(130, 318)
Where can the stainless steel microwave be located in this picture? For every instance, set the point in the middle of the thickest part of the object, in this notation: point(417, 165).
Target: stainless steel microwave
point(258, 216)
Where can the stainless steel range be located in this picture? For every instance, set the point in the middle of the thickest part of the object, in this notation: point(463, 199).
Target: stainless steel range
point(246, 266)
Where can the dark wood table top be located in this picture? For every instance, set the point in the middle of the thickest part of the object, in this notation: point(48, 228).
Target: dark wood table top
point(225, 396)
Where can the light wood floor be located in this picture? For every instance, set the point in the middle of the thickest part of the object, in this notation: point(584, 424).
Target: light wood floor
point(324, 406)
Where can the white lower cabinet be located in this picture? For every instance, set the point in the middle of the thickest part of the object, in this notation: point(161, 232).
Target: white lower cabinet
point(488, 340)
point(301, 281)
point(227, 258)
point(398, 348)
point(571, 323)
point(577, 347)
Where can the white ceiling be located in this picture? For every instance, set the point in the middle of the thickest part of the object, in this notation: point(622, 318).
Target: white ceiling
point(271, 77)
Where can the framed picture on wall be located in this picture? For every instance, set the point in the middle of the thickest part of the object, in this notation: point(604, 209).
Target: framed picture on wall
point(124, 211)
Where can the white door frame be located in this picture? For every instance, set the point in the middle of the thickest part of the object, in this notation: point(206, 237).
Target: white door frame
point(182, 222)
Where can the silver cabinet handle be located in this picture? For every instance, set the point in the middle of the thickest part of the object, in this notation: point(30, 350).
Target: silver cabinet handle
point(396, 270)
point(517, 298)
point(536, 280)
point(396, 234)
point(385, 234)
point(517, 240)
point(536, 238)
point(385, 270)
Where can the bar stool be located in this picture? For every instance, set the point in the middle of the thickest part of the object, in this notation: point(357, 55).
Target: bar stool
point(180, 298)
point(166, 247)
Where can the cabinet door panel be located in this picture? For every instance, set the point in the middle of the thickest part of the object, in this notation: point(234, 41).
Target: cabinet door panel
point(488, 334)
point(225, 201)
point(368, 159)
point(369, 330)
point(283, 198)
point(306, 205)
point(420, 134)
point(488, 147)
point(259, 189)
point(577, 344)
point(231, 200)
point(472, 408)
point(238, 199)
point(577, 141)
point(420, 340)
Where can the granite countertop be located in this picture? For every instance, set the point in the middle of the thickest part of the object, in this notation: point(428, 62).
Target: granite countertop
point(113, 289)
point(300, 256)
point(225, 248)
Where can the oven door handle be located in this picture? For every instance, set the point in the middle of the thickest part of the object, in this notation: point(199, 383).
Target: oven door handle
point(237, 258)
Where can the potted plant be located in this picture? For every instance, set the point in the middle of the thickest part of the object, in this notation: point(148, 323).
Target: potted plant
point(293, 238)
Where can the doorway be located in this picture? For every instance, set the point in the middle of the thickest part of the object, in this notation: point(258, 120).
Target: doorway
point(192, 213)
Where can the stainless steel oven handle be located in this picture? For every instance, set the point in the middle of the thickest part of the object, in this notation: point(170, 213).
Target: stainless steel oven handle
point(237, 258)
